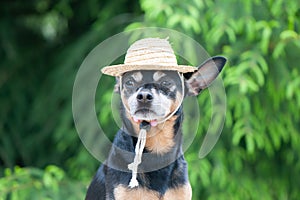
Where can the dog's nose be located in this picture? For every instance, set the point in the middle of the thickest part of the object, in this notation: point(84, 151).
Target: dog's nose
point(144, 97)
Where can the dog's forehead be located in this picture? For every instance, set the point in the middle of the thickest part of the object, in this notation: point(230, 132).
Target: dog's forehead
point(151, 75)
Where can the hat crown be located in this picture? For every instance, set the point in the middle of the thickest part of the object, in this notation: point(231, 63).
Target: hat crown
point(148, 54)
point(151, 51)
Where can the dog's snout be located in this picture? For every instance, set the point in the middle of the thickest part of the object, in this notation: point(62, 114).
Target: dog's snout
point(144, 96)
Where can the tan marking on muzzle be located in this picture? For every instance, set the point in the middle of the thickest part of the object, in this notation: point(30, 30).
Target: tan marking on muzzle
point(176, 103)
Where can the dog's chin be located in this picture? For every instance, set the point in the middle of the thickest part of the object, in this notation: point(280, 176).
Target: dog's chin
point(150, 116)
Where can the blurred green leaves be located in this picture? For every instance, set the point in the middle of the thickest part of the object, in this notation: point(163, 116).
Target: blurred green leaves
point(260, 40)
point(43, 44)
point(32, 183)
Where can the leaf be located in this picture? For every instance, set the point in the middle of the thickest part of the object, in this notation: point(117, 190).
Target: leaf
point(238, 132)
point(258, 74)
point(266, 35)
point(288, 34)
point(231, 34)
point(250, 143)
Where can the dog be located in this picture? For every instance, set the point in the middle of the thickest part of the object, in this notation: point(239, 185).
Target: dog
point(152, 96)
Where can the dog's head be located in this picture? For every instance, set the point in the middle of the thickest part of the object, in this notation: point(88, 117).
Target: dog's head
point(152, 96)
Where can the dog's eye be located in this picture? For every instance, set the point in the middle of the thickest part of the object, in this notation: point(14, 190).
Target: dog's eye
point(166, 83)
point(129, 83)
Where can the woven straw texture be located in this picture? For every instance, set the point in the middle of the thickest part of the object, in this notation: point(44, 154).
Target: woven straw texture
point(148, 54)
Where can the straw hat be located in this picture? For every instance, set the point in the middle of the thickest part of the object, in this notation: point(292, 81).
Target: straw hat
point(148, 54)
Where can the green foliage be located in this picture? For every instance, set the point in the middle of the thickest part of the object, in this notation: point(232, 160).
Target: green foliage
point(44, 42)
point(32, 183)
point(42, 47)
point(259, 150)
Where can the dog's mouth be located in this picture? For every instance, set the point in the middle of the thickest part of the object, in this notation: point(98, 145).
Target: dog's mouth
point(145, 114)
point(153, 122)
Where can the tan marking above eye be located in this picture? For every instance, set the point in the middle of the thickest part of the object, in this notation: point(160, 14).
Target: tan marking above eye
point(173, 88)
point(137, 76)
point(158, 75)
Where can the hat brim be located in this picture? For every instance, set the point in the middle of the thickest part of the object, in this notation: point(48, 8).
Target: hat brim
point(119, 70)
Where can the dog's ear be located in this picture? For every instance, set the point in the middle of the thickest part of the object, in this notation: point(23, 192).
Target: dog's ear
point(117, 86)
point(204, 76)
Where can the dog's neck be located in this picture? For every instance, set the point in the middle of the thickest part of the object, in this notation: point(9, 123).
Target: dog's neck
point(161, 139)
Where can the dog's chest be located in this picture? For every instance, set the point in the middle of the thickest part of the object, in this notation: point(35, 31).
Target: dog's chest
point(183, 192)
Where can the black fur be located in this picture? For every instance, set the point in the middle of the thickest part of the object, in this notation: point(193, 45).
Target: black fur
point(115, 172)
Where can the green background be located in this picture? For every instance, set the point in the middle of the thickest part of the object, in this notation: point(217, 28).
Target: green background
point(44, 42)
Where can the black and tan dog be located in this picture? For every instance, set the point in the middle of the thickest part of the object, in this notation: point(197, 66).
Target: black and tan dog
point(153, 97)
